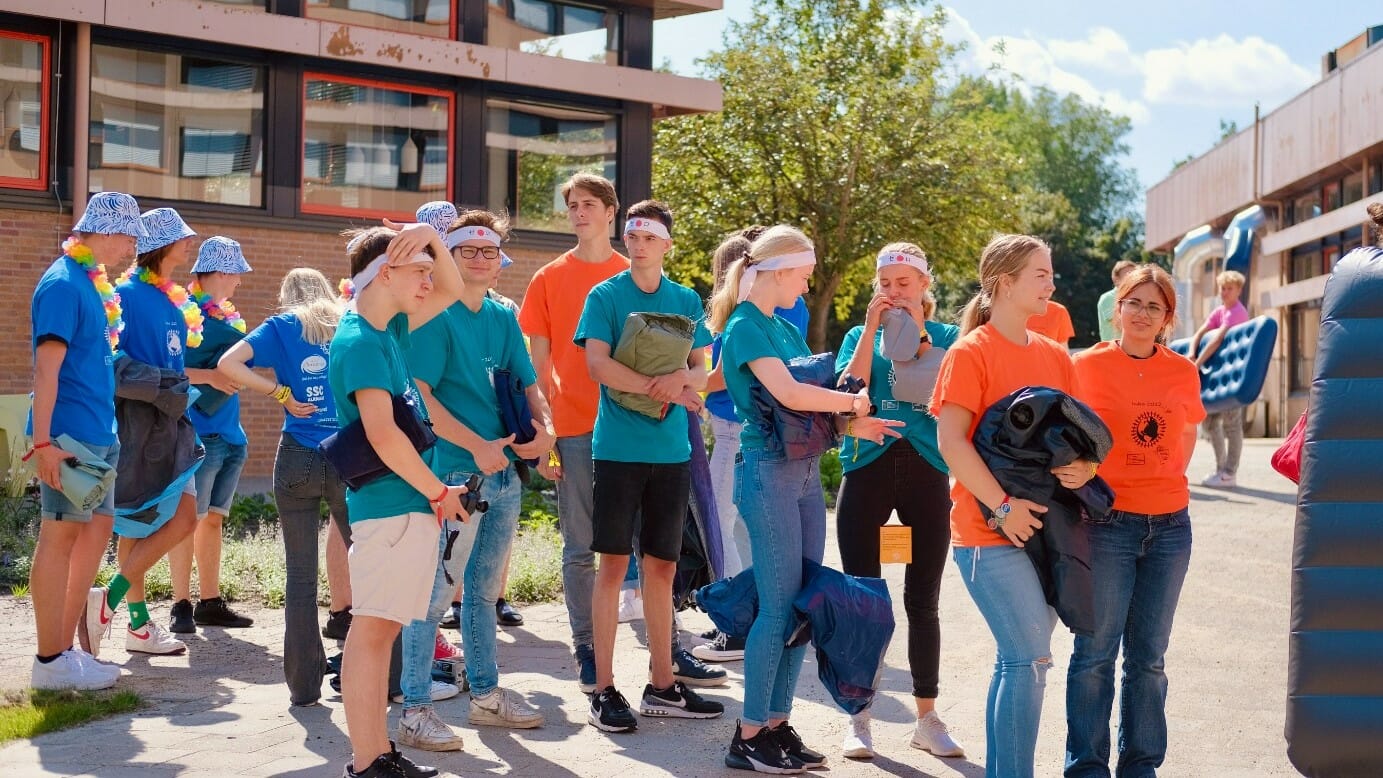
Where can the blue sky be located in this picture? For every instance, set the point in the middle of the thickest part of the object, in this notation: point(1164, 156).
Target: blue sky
point(1174, 67)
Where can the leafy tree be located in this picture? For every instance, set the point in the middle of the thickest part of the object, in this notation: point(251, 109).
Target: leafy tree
point(841, 118)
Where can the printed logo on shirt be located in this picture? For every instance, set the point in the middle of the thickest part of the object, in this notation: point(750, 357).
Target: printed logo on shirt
point(1148, 429)
point(314, 365)
point(174, 343)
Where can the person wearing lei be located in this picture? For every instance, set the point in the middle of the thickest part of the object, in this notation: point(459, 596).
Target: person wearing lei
point(76, 319)
point(216, 417)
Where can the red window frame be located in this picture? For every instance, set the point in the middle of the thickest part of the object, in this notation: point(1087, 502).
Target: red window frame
point(45, 112)
point(327, 210)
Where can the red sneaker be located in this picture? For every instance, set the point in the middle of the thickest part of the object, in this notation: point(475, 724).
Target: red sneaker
point(444, 649)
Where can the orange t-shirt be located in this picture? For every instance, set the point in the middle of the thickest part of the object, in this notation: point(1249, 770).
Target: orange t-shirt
point(981, 369)
point(551, 308)
point(1055, 323)
point(1148, 404)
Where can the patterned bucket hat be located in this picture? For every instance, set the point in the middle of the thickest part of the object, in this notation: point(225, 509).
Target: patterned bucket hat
point(163, 226)
point(220, 255)
point(111, 213)
point(438, 213)
point(504, 260)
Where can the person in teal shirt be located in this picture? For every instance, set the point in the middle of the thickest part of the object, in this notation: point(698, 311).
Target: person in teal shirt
point(642, 469)
point(395, 519)
point(906, 475)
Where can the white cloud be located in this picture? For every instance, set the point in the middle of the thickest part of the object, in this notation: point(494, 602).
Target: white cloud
point(1103, 49)
point(1222, 70)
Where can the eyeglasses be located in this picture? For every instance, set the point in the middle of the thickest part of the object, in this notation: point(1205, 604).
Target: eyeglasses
point(470, 252)
point(1136, 307)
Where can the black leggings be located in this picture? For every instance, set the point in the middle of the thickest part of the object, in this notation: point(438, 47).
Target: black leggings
point(900, 479)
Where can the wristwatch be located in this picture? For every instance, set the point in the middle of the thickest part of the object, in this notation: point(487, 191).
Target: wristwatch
point(999, 514)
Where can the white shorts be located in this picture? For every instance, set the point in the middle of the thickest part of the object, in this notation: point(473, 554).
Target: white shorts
point(393, 562)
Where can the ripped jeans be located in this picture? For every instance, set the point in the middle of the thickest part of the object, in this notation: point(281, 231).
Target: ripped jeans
point(1005, 588)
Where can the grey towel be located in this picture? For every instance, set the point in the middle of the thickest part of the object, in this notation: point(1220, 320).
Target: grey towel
point(86, 478)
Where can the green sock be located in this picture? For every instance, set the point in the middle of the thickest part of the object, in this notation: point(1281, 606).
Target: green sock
point(139, 614)
point(119, 585)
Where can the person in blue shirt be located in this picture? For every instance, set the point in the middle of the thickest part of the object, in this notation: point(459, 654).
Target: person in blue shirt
point(76, 323)
point(401, 279)
point(295, 344)
point(907, 475)
point(642, 469)
point(218, 270)
point(779, 498)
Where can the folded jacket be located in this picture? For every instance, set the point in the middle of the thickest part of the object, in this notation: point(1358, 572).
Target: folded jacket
point(652, 344)
point(799, 434)
point(86, 478)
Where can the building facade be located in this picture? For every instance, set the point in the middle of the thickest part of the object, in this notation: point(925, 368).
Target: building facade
point(1281, 201)
point(282, 122)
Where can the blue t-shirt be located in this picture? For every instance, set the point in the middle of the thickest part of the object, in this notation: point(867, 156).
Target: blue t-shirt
point(457, 354)
point(278, 343)
point(155, 331)
point(67, 306)
point(719, 403)
point(920, 429)
point(750, 335)
point(363, 357)
point(622, 435)
point(225, 422)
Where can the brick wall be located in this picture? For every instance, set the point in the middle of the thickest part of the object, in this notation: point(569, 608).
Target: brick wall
point(30, 240)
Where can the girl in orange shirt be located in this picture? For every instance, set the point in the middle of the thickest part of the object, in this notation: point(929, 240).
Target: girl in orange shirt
point(1150, 398)
point(995, 356)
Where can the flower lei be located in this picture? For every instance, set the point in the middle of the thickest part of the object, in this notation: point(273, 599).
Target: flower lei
point(110, 300)
point(347, 290)
point(177, 296)
point(224, 310)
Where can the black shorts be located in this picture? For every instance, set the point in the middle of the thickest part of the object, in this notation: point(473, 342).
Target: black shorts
point(650, 499)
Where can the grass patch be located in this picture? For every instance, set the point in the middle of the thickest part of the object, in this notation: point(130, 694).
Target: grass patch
point(535, 566)
point(24, 714)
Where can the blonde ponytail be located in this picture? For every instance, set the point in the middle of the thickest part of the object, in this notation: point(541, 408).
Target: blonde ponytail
point(776, 241)
point(1006, 255)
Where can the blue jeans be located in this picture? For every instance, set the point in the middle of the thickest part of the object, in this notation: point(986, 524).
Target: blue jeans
point(785, 512)
point(219, 475)
point(478, 554)
point(576, 515)
point(1140, 563)
point(1005, 588)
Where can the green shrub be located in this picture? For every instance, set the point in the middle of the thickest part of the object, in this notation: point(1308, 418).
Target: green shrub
point(251, 514)
point(831, 475)
point(18, 533)
point(539, 507)
point(535, 567)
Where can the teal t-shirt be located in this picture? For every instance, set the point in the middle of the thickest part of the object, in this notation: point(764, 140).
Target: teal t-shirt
point(622, 435)
point(363, 357)
point(750, 335)
point(457, 354)
point(920, 429)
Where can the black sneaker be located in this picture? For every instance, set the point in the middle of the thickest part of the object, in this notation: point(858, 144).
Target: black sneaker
point(334, 663)
point(693, 672)
point(506, 615)
point(610, 712)
point(585, 661)
point(182, 622)
point(678, 702)
point(709, 634)
point(216, 613)
point(407, 767)
point(793, 746)
point(760, 753)
point(452, 618)
point(338, 624)
point(722, 648)
point(382, 767)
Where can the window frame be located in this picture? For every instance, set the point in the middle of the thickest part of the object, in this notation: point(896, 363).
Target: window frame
point(453, 22)
point(45, 110)
point(308, 76)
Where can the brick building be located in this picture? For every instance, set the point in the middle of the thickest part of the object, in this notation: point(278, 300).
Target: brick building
point(282, 122)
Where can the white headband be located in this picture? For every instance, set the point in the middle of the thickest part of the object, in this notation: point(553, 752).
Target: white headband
point(647, 225)
point(887, 258)
point(462, 234)
point(780, 262)
point(367, 276)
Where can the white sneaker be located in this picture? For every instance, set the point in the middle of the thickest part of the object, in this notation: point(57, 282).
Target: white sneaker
point(152, 639)
point(504, 708)
point(859, 743)
point(67, 672)
point(931, 735)
point(440, 690)
point(630, 606)
point(94, 666)
point(422, 728)
point(1220, 481)
point(95, 623)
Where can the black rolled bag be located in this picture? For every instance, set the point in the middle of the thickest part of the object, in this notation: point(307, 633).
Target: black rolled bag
point(1335, 644)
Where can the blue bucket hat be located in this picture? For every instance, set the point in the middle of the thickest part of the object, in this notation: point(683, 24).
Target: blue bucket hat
point(163, 226)
point(220, 255)
point(504, 260)
point(438, 213)
point(111, 213)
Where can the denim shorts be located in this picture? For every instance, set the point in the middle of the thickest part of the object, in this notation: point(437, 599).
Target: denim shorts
point(55, 506)
point(218, 476)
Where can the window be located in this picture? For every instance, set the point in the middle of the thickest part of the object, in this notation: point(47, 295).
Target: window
point(1307, 206)
point(1376, 178)
point(1330, 196)
point(555, 29)
point(533, 149)
point(420, 17)
point(1301, 347)
point(24, 100)
point(1306, 263)
point(374, 149)
point(176, 127)
point(1354, 188)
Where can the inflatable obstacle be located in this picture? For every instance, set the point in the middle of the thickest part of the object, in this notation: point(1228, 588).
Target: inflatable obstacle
point(1234, 374)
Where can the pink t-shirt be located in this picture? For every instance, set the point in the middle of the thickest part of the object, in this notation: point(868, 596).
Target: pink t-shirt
point(1223, 316)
